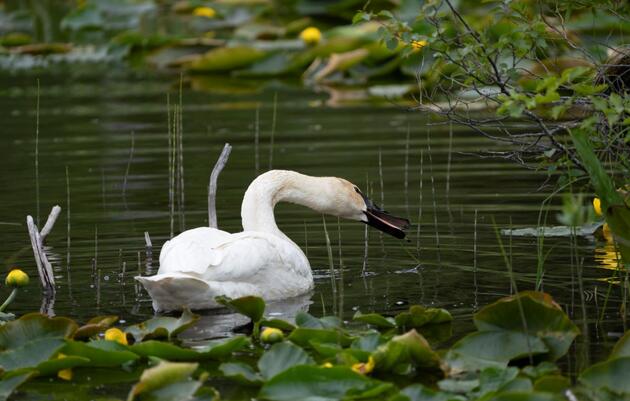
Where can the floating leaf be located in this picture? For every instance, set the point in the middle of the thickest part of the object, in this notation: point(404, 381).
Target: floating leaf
point(100, 353)
point(95, 326)
point(304, 319)
point(277, 324)
point(303, 336)
point(162, 327)
point(241, 373)
point(407, 349)
point(611, 375)
point(226, 59)
point(166, 381)
point(418, 392)
point(493, 348)
point(542, 318)
point(52, 366)
point(375, 320)
point(8, 385)
point(525, 396)
point(317, 383)
point(218, 349)
point(419, 316)
point(250, 306)
point(30, 354)
point(281, 357)
point(622, 348)
point(34, 326)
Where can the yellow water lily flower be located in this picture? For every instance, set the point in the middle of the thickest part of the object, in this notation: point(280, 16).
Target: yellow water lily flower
point(364, 367)
point(206, 12)
point(419, 44)
point(16, 278)
point(597, 205)
point(311, 35)
point(64, 374)
point(271, 335)
point(327, 365)
point(115, 334)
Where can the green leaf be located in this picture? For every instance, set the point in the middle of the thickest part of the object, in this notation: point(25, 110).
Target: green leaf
point(250, 306)
point(313, 383)
point(34, 326)
point(409, 348)
point(303, 337)
point(162, 327)
point(8, 385)
point(277, 324)
point(525, 396)
point(611, 375)
point(622, 348)
point(218, 349)
point(100, 353)
point(419, 316)
point(52, 366)
point(493, 348)
point(166, 381)
point(281, 357)
point(30, 354)
point(95, 326)
point(375, 319)
point(542, 318)
point(304, 319)
point(418, 392)
point(227, 59)
point(241, 373)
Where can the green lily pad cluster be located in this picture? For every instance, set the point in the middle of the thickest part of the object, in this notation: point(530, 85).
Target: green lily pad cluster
point(509, 357)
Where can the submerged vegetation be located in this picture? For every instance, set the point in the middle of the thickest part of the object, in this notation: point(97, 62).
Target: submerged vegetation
point(511, 356)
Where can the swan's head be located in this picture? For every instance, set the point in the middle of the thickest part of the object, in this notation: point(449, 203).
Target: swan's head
point(355, 205)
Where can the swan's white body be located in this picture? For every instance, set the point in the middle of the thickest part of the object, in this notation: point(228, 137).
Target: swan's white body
point(203, 263)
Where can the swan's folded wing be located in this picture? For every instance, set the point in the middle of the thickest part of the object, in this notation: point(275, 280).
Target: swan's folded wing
point(193, 251)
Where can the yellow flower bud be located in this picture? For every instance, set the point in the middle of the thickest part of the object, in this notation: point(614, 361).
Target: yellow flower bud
point(117, 335)
point(16, 278)
point(271, 335)
point(64, 374)
point(364, 367)
point(311, 35)
point(419, 44)
point(597, 205)
point(327, 365)
point(205, 12)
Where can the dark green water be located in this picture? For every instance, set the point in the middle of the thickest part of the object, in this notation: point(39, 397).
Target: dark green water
point(86, 124)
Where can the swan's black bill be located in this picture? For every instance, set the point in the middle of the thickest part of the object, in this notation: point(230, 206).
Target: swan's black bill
point(381, 220)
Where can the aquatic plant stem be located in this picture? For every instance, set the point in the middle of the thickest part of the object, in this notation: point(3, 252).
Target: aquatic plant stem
point(331, 265)
point(273, 129)
point(37, 155)
point(257, 140)
point(9, 299)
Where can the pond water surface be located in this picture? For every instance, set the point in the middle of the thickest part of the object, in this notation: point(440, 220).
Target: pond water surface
point(108, 129)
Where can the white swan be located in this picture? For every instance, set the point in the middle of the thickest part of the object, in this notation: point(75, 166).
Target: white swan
point(200, 264)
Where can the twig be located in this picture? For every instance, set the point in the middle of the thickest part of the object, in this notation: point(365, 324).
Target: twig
point(44, 268)
point(52, 218)
point(212, 185)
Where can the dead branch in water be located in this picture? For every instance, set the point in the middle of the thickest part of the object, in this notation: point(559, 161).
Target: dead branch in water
point(44, 268)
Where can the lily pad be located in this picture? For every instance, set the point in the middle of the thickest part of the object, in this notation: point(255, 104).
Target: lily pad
point(542, 318)
point(30, 354)
point(493, 348)
point(166, 381)
point(281, 357)
point(419, 316)
point(241, 373)
point(35, 326)
point(218, 349)
point(611, 375)
point(311, 383)
point(162, 327)
point(95, 326)
point(226, 59)
point(250, 306)
point(622, 348)
point(418, 392)
point(8, 385)
point(407, 349)
point(375, 319)
point(100, 353)
point(303, 336)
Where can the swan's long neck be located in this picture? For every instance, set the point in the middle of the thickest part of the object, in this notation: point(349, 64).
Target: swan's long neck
point(280, 185)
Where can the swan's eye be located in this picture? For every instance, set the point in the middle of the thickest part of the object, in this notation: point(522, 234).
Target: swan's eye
point(357, 189)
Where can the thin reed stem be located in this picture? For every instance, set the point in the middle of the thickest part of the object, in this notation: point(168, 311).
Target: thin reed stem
point(273, 129)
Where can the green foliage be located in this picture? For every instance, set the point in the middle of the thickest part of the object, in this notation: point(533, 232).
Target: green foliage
point(322, 358)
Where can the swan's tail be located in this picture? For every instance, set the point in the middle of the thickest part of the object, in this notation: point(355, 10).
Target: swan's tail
point(176, 291)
